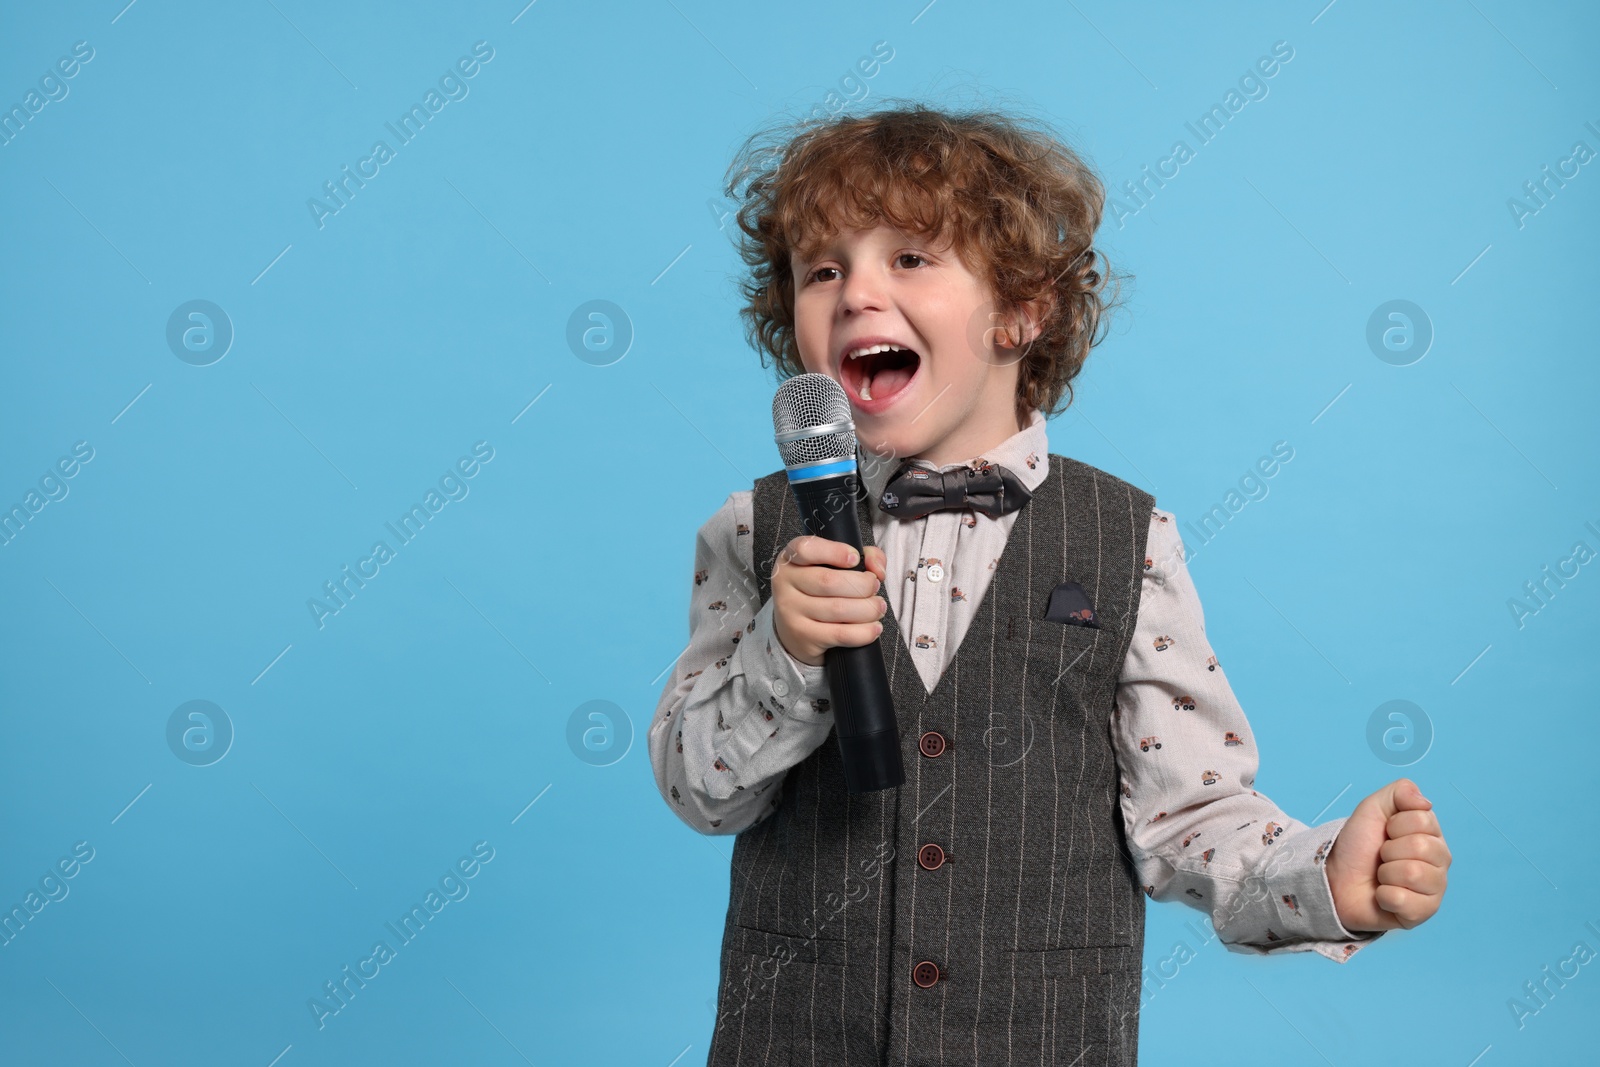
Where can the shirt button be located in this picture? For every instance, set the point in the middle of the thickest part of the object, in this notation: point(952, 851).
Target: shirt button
point(935, 572)
point(932, 743)
point(925, 974)
point(931, 857)
point(780, 688)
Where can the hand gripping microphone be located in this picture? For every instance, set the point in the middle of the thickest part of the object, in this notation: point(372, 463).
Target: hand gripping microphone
point(817, 439)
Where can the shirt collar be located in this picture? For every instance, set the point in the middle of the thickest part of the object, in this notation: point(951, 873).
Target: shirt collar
point(1025, 454)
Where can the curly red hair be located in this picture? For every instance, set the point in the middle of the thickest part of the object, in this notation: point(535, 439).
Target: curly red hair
point(1020, 207)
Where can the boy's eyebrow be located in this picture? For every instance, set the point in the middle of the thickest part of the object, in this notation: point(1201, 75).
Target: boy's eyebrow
point(829, 245)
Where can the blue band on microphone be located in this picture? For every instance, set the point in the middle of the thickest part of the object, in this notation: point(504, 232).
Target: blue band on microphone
point(806, 472)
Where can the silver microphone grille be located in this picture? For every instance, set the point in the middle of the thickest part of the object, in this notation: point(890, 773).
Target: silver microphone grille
point(815, 403)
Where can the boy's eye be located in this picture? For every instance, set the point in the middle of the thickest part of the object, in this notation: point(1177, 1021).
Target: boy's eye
point(901, 258)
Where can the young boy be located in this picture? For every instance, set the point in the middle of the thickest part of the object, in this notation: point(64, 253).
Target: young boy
point(1070, 742)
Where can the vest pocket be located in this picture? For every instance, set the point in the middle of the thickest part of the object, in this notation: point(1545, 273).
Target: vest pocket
point(1078, 962)
point(777, 949)
point(1066, 650)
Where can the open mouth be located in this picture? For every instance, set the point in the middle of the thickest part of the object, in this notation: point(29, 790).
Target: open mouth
point(878, 375)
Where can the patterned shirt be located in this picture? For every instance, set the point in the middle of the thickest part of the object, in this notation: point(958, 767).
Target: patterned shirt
point(1195, 828)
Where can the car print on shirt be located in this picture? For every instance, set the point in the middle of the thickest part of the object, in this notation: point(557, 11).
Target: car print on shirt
point(1162, 643)
point(1270, 833)
point(969, 519)
point(1148, 563)
point(1209, 778)
point(889, 500)
point(1205, 857)
point(1147, 743)
point(924, 641)
point(1193, 892)
point(1157, 817)
point(1032, 460)
point(1322, 851)
point(1158, 516)
point(821, 706)
point(1292, 901)
point(1211, 663)
point(1183, 703)
point(956, 593)
point(717, 605)
point(741, 530)
point(1230, 739)
point(1271, 936)
point(1191, 836)
point(700, 576)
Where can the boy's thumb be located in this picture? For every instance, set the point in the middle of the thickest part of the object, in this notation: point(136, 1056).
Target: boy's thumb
point(1406, 795)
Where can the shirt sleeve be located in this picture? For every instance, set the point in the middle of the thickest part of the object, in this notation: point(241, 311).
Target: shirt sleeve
point(737, 710)
point(1198, 833)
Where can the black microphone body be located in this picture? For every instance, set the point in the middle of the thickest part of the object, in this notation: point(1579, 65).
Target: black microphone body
point(863, 709)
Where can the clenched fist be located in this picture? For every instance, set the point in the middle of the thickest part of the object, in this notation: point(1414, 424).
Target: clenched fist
point(1387, 868)
point(820, 601)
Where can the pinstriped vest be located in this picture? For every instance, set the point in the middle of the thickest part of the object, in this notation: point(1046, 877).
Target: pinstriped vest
point(850, 940)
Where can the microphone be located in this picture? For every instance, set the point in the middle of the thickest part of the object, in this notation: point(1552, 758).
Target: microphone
point(817, 439)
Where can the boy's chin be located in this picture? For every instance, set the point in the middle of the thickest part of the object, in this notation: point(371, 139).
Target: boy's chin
point(887, 443)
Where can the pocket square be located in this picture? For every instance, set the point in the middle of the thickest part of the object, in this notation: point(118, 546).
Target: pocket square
point(1069, 604)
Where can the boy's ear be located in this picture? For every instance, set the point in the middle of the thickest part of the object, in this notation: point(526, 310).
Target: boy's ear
point(1028, 321)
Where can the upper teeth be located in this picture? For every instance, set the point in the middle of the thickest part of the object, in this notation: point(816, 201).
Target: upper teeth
point(870, 350)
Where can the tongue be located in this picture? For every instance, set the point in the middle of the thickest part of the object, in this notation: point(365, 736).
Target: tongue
point(891, 380)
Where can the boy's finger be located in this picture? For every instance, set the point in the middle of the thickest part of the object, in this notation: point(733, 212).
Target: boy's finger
point(1419, 876)
point(1408, 908)
point(829, 609)
point(1425, 847)
point(1399, 795)
point(835, 581)
point(1408, 795)
point(1416, 821)
point(811, 550)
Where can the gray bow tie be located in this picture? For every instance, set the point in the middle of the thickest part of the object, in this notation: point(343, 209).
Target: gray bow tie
point(916, 491)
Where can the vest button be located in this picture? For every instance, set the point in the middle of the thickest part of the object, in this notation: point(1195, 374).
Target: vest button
point(925, 974)
point(932, 744)
point(931, 856)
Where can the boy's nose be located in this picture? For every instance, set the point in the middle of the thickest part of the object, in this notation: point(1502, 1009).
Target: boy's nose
point(863, 291)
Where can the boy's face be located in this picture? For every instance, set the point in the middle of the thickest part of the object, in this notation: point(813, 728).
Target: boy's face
point(953, 394)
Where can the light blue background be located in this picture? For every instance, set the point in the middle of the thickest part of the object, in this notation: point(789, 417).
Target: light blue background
point(428, 314)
